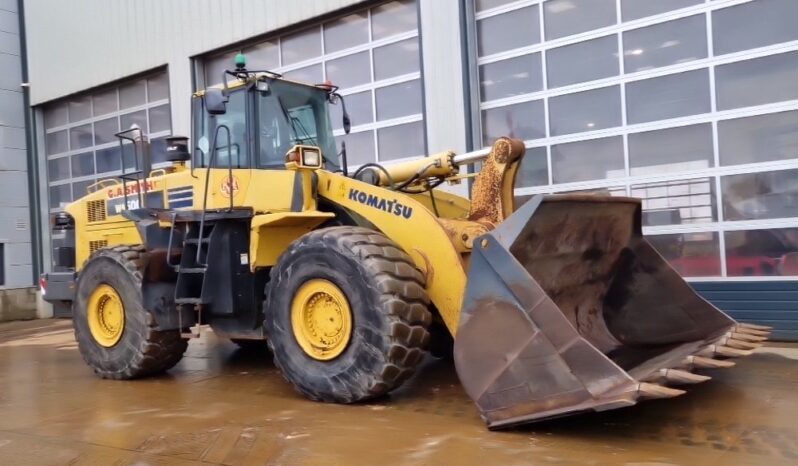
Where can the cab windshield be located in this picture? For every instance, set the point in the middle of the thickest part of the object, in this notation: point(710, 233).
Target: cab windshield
point(290, 114)
point(264, 125)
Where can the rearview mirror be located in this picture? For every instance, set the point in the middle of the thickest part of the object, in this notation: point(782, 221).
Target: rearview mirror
point(346, 121)
point(347, 124)
point(215, 101)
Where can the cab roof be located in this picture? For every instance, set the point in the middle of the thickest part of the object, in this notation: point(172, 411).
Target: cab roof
point(237, 83)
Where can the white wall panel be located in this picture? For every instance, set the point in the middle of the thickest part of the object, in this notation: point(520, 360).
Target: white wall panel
point(12, 113)
point(443, 75)
point(14, 215)
point(13, 191)
point(18, 254)
point(441, 45)
point(10, 217)
point(8, 5)
point(13, 160)
point(9, 43)
point(18, 276)
point(76, 45)
point(12, 71)
point(86, 43)
point(9, 22)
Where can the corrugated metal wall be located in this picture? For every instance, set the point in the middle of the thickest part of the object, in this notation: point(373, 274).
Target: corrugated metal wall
point(124, 37)
point(765, 303)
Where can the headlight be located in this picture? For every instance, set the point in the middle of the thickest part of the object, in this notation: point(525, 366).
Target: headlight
point(304, 156)
point(311, 158)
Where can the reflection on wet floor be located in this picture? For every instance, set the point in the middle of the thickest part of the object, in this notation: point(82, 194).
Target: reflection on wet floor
point(222, 405)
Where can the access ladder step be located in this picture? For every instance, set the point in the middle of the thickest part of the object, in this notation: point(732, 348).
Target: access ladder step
point(188, 301)
point(191, 269)
point(205, 240)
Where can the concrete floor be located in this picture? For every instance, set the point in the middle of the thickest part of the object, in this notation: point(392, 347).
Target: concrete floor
point(225, 406)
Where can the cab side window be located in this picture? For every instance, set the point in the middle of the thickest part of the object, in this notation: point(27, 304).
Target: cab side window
point(287, 116)
point(274, 133)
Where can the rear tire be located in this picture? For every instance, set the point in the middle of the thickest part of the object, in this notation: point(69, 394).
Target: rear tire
point(140, 350)
point(389, 314)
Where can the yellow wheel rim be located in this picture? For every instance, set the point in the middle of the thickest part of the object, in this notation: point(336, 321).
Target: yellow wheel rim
point(106, 315)
point(321, 319)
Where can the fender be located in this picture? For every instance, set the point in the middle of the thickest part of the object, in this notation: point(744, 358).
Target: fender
point(402, 218)
point(270, 234)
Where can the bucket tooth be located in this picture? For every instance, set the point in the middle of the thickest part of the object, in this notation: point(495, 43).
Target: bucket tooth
point(698, 362)
point(750, 331)
point(676, 377)
point(734, 343)
point(679, 377)
point(652, 391)
point(747, 337)
point(723, 351)
point(755, 327)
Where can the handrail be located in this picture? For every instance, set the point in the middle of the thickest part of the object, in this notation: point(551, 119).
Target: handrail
point(123, 136)
point(99, 184)
point(169, 245)
point(214, 151)
point(157, 172)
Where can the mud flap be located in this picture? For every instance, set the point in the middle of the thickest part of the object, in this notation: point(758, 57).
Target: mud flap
point(568, 309)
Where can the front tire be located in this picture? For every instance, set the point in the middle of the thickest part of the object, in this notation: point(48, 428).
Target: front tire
point(115, 333)
point(365, 309)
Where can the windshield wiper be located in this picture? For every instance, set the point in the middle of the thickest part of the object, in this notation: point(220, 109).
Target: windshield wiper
point(294, 121)
point(305, 131)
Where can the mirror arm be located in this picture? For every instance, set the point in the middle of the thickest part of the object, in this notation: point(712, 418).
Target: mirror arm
point(224, 83)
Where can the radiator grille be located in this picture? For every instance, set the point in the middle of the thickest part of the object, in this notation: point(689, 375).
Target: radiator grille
point(95, 211)
point(95, 245)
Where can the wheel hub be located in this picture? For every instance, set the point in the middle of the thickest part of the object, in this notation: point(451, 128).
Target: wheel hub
point(106, 315)
point(321, 319)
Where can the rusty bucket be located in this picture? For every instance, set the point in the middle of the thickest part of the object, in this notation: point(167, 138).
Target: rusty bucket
point(569, 309)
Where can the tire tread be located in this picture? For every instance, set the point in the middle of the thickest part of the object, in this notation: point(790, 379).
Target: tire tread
point(404, 303)
point(158, 351)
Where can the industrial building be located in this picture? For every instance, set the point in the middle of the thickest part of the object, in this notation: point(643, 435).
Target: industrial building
point(690, 105)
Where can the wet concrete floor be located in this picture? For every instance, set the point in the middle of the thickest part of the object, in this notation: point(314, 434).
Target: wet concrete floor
point(222, 405)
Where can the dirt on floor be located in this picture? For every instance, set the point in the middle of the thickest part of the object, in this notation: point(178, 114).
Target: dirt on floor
point(222, 405)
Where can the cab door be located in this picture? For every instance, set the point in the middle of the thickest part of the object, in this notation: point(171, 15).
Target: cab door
point(231, 159)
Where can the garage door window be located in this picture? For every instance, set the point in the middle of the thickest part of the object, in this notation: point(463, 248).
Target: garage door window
point(690, 105)
point(79, 133)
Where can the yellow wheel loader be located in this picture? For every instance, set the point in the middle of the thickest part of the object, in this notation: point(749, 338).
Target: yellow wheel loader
point(557, 307)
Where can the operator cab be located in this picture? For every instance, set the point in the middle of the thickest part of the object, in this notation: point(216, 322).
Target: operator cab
point(257, 120)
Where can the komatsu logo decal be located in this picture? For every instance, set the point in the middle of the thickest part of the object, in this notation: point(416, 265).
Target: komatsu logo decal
point(392, 207)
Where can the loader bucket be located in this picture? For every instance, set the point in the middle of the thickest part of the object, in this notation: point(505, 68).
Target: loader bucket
point(569, 309)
